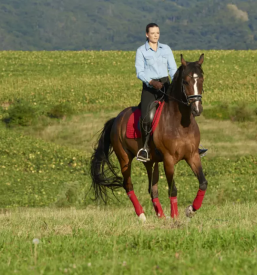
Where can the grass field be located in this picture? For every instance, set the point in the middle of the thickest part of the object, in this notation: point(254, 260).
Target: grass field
point(44, 175)
point(218, 240)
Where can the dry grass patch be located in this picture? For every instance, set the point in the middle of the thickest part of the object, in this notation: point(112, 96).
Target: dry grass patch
point(222, 138)
point(227, 138)
point(80, 132)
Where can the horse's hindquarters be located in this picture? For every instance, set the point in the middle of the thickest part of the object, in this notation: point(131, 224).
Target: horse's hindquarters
point(118, 134)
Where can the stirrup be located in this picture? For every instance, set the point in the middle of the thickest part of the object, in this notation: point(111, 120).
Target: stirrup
point(140, 158)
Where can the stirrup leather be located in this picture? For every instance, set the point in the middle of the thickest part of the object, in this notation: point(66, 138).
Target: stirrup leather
point(140, 158)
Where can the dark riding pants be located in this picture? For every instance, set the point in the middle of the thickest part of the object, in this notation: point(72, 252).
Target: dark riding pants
point(149, 95)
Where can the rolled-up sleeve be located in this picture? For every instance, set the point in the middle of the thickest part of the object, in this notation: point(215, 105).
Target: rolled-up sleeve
point(172, 66)
point(140, 67)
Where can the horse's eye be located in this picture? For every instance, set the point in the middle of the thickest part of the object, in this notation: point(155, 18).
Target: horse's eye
point(185, 82)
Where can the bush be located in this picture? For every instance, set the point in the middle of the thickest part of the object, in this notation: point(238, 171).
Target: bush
point(242, 113)
point(21, 113)
point(71, 194)
point(61, 110)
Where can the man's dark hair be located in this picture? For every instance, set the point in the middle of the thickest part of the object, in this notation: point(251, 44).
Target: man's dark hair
point(150, 26)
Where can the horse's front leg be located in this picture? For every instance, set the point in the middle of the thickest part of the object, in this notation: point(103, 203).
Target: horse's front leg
point(196, 166)
point(169, 171)
point(153, 177)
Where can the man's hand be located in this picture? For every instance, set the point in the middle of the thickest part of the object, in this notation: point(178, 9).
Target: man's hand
point(156, 84)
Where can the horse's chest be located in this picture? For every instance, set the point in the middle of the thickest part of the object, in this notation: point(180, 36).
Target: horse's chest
point(178, 140)
point(181, 133)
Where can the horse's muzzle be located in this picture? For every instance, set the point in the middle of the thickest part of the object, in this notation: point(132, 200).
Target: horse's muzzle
point(196, 108)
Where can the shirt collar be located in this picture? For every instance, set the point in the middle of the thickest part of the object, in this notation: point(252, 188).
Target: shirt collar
point(147, 46)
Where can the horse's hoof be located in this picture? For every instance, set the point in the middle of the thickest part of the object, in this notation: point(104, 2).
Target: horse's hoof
point(142, 217)
point(190, 211)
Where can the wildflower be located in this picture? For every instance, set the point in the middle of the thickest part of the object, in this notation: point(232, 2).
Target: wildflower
point(36, 241)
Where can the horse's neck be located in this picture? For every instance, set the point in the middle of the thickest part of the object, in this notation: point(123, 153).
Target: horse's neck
point(179, 113)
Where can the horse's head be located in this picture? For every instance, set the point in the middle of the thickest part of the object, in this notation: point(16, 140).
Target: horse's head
point(192, 84)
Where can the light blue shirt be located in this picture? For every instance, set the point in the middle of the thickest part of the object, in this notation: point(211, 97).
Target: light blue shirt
point(154, 65)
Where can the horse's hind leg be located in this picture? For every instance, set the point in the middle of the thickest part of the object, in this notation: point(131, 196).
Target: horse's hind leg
point(196, 166)
point(153, 178)
point(125, 165)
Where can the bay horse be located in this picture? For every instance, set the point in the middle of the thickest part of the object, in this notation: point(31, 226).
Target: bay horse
point(175, 138)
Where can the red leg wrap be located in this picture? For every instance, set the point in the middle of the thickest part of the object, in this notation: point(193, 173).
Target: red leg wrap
point(174, 207)
point(198, 199)
point(158, 208)
point(137, 205)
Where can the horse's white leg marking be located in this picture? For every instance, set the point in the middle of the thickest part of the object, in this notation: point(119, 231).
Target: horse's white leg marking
point(142, 217)
point(196, 91)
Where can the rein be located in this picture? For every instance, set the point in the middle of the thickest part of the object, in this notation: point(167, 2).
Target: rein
point(190, 98)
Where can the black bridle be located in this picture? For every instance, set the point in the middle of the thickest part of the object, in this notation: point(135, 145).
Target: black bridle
point(189, 98)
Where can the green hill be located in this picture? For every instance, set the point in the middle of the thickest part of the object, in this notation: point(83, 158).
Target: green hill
point(120, 24)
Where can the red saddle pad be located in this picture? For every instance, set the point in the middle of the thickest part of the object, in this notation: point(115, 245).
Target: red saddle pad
point(133, 127)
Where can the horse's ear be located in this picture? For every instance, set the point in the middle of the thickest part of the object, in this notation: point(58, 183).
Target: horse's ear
point(183, 61)
point(200, 62)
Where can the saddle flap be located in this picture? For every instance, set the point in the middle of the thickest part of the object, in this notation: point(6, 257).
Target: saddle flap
point(133, 127)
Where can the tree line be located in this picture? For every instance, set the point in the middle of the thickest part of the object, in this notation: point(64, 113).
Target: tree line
point(120, 24)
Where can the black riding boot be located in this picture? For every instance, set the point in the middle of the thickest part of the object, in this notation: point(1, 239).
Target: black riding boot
point(143, 153)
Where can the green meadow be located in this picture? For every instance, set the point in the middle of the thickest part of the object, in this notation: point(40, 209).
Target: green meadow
point(52, 107)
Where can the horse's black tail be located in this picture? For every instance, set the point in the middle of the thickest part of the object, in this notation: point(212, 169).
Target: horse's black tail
point(103, 172)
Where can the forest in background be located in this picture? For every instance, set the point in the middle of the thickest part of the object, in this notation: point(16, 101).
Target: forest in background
point(120, 25)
